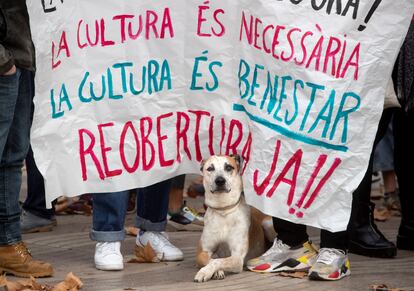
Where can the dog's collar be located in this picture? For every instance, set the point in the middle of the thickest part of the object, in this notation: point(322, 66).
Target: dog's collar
point(229, 206)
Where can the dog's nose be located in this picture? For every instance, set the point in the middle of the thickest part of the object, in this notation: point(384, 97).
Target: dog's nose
point(220, 181)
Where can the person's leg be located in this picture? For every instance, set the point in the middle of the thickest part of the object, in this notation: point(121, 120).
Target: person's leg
point(176, 199)
point(16, 93)
point(332, 262)
point(178, 210)
point(290, 233)
point(390, 181)
point(364, 236)
point(334, 240)
point(152, 208)
point(35, 217)
point(384, 162)
point(14, 143)
point(391, 199)
point(108, 218)
point(291, 250)
point(109, 211)
point(176, 202)
point(404, 161)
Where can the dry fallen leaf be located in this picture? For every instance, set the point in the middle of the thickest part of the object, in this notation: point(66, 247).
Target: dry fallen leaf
point(71, 283)
point(74, 205)
point(382, 214)
point(61, 204)
point(131, 230)
point(145, 254)
point(299, 275)
point(24, 284)
point(383, 287)
point(2, 280)
point(36, 286)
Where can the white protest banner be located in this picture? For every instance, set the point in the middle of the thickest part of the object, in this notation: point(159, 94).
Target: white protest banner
point(129, 93)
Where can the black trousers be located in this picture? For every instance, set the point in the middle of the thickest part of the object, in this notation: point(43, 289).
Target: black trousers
point(294, 234)
point(404, 163)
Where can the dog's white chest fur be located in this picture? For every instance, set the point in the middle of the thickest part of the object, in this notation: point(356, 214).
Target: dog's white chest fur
point(228, 227)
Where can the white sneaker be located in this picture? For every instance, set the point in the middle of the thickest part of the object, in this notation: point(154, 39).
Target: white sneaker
point(163, 248)
point(331, 264)
point(108, 256)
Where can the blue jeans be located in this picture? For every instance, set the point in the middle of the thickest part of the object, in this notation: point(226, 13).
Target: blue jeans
point(16, 94)
point(109, 210)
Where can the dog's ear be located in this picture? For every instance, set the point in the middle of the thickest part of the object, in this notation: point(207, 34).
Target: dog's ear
point(202, 165)
point(239, 162)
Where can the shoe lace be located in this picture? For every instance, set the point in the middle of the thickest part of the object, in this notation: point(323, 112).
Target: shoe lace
point(277, 247)
point(327, 255)
point(108, 247)
point(22, 250)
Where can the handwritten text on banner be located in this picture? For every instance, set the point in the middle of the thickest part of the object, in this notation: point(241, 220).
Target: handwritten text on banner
point(129, 93)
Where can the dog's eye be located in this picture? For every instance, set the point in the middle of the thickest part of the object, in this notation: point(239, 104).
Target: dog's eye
point(228, 168)
point(210, 168)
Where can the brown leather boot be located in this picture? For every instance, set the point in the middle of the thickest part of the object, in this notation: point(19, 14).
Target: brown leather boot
point(16, 260)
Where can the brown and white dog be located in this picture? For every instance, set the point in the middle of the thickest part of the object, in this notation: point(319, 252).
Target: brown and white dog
point(230, 225)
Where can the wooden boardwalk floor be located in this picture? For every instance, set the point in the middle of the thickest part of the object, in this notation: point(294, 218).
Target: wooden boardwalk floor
point(69, 248)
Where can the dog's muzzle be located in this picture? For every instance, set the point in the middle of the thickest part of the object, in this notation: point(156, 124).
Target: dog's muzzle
point(220, 185)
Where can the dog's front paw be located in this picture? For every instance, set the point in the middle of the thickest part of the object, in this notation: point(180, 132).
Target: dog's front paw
point(203, 275)
point(219, 275)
